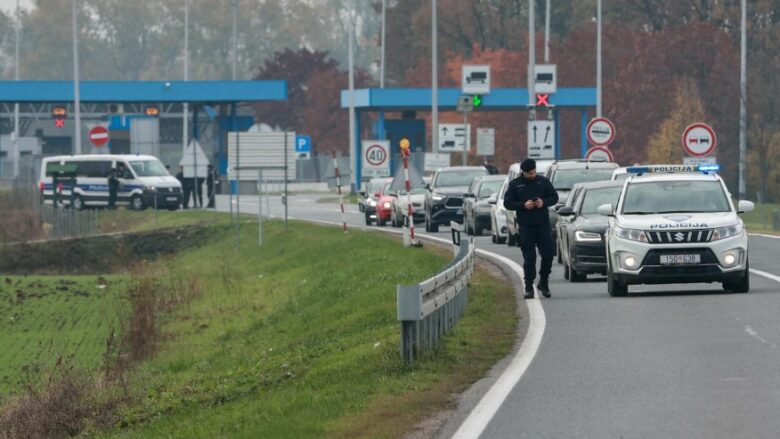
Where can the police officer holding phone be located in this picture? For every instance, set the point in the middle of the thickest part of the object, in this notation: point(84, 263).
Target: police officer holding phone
point(530, 195)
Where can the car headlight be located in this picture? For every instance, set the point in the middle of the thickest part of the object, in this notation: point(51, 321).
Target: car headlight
point(631, 234)
point(726, 232)
point(581, 236)
point(438, 197)
point(151, 188)
point(371, 203)
point(387, 204)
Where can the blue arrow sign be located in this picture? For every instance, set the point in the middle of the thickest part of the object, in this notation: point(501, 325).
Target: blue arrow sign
point(302, 143)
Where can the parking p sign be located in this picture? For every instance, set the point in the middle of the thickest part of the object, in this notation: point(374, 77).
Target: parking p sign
point(303, 143)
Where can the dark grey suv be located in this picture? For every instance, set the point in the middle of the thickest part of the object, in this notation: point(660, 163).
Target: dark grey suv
point(444, 198)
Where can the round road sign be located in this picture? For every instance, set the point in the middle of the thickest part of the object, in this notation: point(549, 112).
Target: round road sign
point(376, 155)
point(600, 154)
point(98, 136)
point(601, 131)
point(699, 140)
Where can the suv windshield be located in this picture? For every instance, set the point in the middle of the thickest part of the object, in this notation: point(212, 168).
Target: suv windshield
point(564, 179)
point(457, 178)
point(675, 197)
point(489, 188)
point(596, 197)
point(149, 168)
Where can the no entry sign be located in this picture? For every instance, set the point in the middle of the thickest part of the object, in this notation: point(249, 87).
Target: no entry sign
point(600, 154)
point(601, 131)
point(98, 136)
point(699, 140)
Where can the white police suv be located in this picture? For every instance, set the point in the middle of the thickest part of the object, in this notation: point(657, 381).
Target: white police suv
point(676, 224)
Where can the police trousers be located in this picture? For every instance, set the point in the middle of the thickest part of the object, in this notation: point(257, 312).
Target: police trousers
point(529, 238)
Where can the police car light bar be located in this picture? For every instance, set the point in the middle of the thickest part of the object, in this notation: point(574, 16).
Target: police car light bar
point(656, 169)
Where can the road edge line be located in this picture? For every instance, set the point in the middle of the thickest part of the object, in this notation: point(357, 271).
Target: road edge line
point(769, 276)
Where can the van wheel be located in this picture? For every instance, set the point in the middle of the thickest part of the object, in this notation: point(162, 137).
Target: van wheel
point(137, 203)
point(78, 202)
point(511, 239)
point(615, 288)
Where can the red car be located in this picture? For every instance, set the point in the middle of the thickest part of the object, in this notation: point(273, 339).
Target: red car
point(384, 205)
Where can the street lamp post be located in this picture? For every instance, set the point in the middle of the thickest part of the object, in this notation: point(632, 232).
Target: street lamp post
point(76, 93)
point(16, 104)
point(547, 33)
point(354, 154)
point(743, 103)
point(434, 79)
point(531, 59)
point(598, 59)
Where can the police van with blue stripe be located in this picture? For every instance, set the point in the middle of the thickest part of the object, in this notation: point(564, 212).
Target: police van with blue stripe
point(144, 182)
point(676, 224)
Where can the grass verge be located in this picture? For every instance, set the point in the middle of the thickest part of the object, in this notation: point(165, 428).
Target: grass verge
point(348, 199)
point(761, 220)
point(299, 339)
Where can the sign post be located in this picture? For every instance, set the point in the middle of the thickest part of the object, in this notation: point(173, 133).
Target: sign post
point(600, 154)
point(486, 142)
point(699, 140)
point(376, 158)
point(541, 139)
point(98, 136)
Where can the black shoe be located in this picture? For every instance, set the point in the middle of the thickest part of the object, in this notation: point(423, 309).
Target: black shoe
point(529, 292)
point(543, 287)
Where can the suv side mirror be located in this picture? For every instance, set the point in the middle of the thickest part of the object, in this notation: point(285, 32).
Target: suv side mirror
point(557, 207)
point(606, 210)
point(745, 206)
point(362, 194)
point(493, 199)
point(565, 211)
point(428, 186)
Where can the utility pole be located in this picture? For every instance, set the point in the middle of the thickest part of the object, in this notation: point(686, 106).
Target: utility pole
point(76, 93)
point(233, 5)
point(547, 34)
point(382, 56)
point(354, 153)
point(186, 109)
point(434, 79)
point(16, 104)
point(598, 59)
point(743, 103)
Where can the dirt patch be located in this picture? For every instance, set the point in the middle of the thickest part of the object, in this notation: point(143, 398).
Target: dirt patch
point(99, 254)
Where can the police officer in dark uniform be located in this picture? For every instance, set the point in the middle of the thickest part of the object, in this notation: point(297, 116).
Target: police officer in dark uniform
point(113, 187)
point(490, 167)
point(530, 195)
point(186, 187)
point(212, 178)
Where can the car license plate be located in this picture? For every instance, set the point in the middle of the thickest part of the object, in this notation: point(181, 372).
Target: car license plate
point(171, 199)
point(460, 212)
point(680, 259)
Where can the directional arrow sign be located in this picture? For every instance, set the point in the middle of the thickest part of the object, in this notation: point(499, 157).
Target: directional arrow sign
point(541, 139)
point(453, 137)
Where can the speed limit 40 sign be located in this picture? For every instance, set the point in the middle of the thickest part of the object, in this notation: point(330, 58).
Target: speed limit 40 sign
point(376, 158)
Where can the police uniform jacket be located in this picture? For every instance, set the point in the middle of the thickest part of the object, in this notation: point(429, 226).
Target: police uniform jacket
point(521, 190)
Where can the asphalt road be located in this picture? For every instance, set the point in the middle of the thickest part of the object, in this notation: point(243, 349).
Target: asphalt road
point(687, 361)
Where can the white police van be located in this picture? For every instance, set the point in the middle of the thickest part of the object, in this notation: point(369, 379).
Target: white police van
point(676, 224)
point(144, 182)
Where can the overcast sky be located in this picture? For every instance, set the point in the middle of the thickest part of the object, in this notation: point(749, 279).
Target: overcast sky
point(10, 5)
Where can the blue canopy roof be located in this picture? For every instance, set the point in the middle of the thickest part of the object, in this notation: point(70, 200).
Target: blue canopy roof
point(144, 91)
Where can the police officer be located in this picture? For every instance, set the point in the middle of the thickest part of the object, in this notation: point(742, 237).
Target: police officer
point(490, 167)
point(186, 187)
point(113, 187)
point(530, 195)
point(212, 178)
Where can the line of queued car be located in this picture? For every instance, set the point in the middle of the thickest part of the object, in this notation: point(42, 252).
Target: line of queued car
point(635, 225)
point(470, 196)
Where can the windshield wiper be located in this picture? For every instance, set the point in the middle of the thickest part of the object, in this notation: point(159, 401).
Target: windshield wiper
point(639, 213)
point(686, 211)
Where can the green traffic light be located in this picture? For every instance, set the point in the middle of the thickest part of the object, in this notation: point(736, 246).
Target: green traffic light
point(477, 101)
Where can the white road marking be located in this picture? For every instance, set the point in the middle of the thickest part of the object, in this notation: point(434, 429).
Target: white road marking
point(485, 410)
point(765, 274)
point(487, 407)
point(751, 332)
point(764, 235)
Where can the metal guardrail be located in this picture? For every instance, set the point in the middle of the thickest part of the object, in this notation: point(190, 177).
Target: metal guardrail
point(430, 309)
